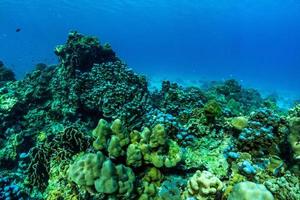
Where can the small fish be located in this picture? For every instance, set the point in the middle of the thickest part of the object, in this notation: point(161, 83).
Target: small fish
point(18, 30)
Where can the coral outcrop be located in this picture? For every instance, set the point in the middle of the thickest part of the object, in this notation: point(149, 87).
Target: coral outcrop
point(81, 52)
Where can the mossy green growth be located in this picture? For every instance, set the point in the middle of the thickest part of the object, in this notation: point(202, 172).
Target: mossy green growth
point(86, 169)
point(94, 170)
point(158, 136)
point(208, 152)
point(158, 149)
point(212, 109)
point(239, 123)
point(7, 102)
point(149, 146)
point(107, 182)
point(234, 107)
point(294, 136)
point(134, 156)
point(126, 179)
point(101, 132)
point(111, 138)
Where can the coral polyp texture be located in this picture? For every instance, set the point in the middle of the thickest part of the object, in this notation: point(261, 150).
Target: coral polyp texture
point(89, 128)
point(248, 190)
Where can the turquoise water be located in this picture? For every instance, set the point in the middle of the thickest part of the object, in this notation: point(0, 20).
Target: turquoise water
point(256, 42)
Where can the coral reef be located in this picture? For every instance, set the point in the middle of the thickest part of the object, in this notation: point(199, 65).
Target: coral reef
point(81, 52)
point(220, 141)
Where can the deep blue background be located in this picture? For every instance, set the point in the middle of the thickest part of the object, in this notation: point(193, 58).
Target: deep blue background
point(255, 41)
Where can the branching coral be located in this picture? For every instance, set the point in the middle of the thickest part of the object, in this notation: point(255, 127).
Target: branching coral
point(59, 148)
point(39, 166)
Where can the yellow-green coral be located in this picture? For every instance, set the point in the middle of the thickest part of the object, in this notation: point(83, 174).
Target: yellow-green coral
point(208, 152)
point(101, 132)
point(239, 123)
point(107, 182)
point(203, 186)
point(134, 155)
point(101, 174)
point(234, 179)
point(294, 137)
point(111, 138)
point(149, 146)
point(212, 109)
point(158, 149)
point(86, 169)
point(58, 185)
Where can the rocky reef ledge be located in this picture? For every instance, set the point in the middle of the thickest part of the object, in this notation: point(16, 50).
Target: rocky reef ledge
point(89, 128)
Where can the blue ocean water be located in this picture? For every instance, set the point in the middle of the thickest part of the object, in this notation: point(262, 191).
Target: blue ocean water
point(254, 41)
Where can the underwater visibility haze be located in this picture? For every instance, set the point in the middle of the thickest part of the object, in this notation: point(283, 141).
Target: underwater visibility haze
point(150, 100)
